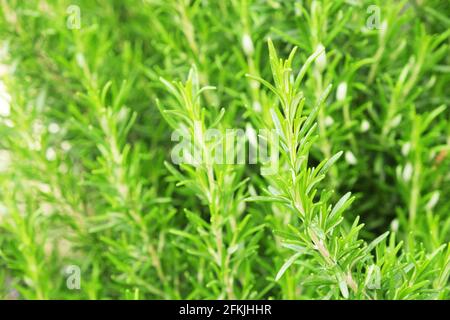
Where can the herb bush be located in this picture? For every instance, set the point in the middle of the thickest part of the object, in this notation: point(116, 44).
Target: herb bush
point(351, 95)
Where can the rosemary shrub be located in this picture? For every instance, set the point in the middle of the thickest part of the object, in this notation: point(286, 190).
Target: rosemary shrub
point(158, 150)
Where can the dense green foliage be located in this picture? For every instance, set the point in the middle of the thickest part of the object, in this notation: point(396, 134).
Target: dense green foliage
point(356, 91)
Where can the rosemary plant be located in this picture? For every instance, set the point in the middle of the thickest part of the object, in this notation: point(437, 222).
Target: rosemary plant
point(320, 176)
